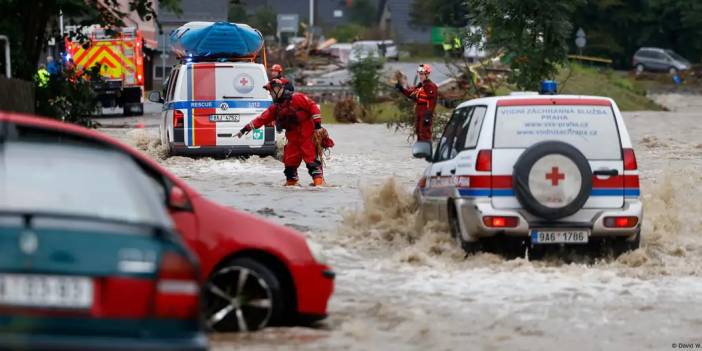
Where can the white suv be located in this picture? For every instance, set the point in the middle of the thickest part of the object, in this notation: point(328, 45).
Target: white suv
point(207, 103)
point(542, 169)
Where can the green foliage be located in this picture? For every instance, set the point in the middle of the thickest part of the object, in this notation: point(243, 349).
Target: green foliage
point(363, 12)
point(365, 79)
point(68, 97)
point(29, 24)
point(347, 32)
point(265, 20)
point(533, 32)
point(617, 28)
point(237, 13)
point(440, 13)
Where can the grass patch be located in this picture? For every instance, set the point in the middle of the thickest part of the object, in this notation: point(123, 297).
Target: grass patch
point(628, 94)
point(382, 112)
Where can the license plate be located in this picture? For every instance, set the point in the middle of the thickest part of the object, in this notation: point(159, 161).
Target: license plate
point(225, 118)
point(46, 291)
point(559, 236)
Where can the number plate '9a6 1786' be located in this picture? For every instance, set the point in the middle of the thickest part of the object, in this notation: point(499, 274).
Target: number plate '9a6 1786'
point(559, 236)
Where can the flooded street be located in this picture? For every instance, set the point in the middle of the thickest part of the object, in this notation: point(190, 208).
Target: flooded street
point(402, 285)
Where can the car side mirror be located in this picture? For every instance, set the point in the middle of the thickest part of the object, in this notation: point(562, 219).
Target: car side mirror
point(422, 149)
point(178, 199)
point(155, 96)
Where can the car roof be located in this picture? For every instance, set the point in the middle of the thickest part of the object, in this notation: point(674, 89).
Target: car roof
point(536, 98)
point(49, 124)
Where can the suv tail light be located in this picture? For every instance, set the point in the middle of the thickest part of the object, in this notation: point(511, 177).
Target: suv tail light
point(500, 221)
point(484, 161)
point(178, 119)
point(629, 160)
point(177, 288)
point(621, 222)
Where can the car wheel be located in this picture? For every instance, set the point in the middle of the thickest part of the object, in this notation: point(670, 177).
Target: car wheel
point(552, 180)
point(244, 295)
point(673, 71)
point(640, 68)
point(456, 232)
point(623, 245)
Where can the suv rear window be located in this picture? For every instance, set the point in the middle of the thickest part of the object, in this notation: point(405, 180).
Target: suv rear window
point(591, 129)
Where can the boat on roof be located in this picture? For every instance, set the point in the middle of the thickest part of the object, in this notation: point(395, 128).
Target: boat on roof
point(211, 40)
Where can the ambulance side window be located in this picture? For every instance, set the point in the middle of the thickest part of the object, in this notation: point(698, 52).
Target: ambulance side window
point(172, 78)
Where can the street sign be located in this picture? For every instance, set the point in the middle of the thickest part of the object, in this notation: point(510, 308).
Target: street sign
point(580, 38)
point(288, 23)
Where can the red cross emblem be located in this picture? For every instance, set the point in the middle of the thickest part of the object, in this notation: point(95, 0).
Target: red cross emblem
point(554, 176)
point(243, 81)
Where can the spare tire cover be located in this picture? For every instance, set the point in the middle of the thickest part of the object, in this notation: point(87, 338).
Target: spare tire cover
point(552, 180)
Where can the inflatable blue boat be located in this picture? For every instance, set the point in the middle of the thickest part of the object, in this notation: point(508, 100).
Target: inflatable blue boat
point(215, 40)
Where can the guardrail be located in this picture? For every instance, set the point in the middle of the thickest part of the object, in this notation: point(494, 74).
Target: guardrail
point(326, 93)
point(590, 59)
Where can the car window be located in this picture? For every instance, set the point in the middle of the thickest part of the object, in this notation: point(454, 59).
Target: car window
point(460, 138)
point(657, 55)
point(76, 180)
point(645, 54)
point(591, 129)
point(172, 79)
point(445, 147)
point(470, 131)
point(675, 56)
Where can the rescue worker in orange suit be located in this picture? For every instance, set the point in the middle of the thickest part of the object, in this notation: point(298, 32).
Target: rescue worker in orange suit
point(424, 94)
point(301, 119)
point(277, 73)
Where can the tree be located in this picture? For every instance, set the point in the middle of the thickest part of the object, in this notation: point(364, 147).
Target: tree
point(533, 33)
point(29, 23)
point(440, 13)
point(237, 13)
point(365, 80)
point(363, 12)
point(265, 20)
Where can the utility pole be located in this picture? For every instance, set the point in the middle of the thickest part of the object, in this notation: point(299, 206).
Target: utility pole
point(311, 14)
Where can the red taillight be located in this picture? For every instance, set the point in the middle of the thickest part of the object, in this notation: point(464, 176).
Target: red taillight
point(484, 162)
point(177, 288)
point(629, 160)
point(422, 183)
point(621, 222)
point(500, 221)
point(178, 119)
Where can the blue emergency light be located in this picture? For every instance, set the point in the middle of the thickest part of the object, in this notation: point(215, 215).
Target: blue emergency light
point(548, 87)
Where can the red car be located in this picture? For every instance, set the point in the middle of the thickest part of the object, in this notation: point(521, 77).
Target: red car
point(254, 273)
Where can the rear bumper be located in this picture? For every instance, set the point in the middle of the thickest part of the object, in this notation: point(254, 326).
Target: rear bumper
point(225, 150)
point(39, 342)
point(472, 212)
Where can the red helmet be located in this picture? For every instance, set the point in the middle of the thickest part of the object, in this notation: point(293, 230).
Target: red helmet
point(424, 68)
point(277, 68)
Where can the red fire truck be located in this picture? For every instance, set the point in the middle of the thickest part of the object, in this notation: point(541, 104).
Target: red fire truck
point(118, 56)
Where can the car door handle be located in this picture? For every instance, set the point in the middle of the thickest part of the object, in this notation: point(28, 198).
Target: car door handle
point(606, 172)
point(453, 171)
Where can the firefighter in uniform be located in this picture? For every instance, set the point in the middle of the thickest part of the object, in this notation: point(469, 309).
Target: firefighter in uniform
point(302, 121)
point(425, 95)
point(277, 73)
